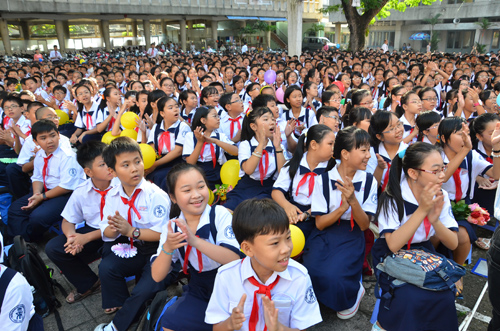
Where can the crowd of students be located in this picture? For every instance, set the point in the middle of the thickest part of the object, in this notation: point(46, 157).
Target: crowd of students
point(344, 145)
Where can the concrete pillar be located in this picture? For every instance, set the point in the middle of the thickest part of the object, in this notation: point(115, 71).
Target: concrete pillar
point(147, 32)
point(295, 8)
point(4, 32)
point(60, 35)
point(134, 32)
point(164, 30)
point(215, 24)
point(268, 36)
point(104, 27)
point(338, 32)
point(183, 34)
point(397, 35)
point(24, 27)
point(66, 30)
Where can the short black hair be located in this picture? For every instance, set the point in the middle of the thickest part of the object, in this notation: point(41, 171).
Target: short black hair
point(43, 126)
point(12, 98)
point(119, 146)
point(254, 217)
point(88, 151)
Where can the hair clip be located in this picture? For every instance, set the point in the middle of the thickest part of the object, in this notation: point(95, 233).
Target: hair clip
point(402, 153)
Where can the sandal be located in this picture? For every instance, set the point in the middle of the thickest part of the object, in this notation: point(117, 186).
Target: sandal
point(74, 296)
point(110, 311)
point(483, 243)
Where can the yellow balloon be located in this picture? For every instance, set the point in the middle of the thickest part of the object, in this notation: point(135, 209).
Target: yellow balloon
point(211, 197)
point(81, 61)
point(63, 117)
point(128, 120)
point(230, 173)
point(108, 138)
point(129, 133)
point(298, 240)
point(148, 155)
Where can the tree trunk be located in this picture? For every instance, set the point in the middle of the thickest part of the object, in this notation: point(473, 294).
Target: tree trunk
point(358, 24)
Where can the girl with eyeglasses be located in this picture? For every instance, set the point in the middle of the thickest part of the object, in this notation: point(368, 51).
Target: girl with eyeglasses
point(410, 107)
point(427, 123)
point(386, 132)
point(414, 212)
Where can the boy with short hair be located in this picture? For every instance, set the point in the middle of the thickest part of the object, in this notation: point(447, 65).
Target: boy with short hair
point(133, 216)
point(18, 173)
point(56, 174)
point(231, 124)
point(329, 116)
point(13, 109)
point(276, 289)
point(75, 248)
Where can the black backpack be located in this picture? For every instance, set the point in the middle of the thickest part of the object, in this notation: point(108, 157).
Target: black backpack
point(151, 318)
point(24, 258)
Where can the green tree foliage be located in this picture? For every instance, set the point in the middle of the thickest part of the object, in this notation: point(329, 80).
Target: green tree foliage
point(315, 28)
point(434, 38)
point(359, 18)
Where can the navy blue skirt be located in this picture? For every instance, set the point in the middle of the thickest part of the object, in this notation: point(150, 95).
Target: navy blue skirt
point(212, 174)
point(334, 258)
point(188, 312)
point(485, 198)
point(413, 308)
point(248, 188)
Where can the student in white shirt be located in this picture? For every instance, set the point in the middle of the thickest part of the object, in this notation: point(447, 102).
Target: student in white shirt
point(413, 213)
point(287, 299)
point(72, 250)
point(86, 120)
point(56, 174)
point(55, 56)
point(133, 216)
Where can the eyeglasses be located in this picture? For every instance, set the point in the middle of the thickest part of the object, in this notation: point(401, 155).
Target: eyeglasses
point(336, 118)
point(434, 126)
point(430, 99)
point(397, 126)
point(483, 77)
point(416, 102)
point(335, 100)
point(236, 101)
point(13, 107)
point(434, 172)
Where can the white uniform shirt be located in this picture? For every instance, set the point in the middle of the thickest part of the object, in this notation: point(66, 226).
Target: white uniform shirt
point(84, 204)
point(320, 206)
point(283, 182)
point(152, 52)
point(28, 149)
point(373, 163)
point(407, 128)
point(152, 203)
point(87, 120)
point(62, 170)
point(17, 306)
point(310, 121)
point(245, 151)
point(226, 124)
point(390, 223)
point(181, 136)
point(479, 167)
point(55, 54)
point(293, 295)
point(23, 123)
point(225, 237)
point(206, 154)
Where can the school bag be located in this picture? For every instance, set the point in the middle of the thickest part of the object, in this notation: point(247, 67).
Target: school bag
point(151, 318)
point(419, 267)
point(25, 259)
point(5, 201)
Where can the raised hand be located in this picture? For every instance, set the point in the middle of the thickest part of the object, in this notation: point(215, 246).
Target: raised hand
point(237, 317)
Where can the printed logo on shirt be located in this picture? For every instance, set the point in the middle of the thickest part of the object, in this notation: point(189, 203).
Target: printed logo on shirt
point(159, 211)
point(228, 232)
point(72, 172)
point(310, 297)
point(143, 208)
point(184, 133)
point(17, 314)
point(374, 198)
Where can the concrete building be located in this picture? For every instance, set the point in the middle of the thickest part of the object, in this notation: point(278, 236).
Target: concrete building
point(456, 30)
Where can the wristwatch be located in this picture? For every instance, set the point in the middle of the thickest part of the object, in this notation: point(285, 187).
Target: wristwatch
point(136, 233)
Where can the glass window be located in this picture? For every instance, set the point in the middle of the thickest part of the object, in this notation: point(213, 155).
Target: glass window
point(495, 41)
point(450, 40)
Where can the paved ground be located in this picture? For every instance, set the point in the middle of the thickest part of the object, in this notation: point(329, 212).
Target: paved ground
point(86, 315)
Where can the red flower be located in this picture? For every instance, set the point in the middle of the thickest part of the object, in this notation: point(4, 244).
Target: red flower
point(475, 214)
point(486, 217)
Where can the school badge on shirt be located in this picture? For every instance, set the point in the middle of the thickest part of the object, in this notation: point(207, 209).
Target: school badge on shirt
point(310, 297)
point(17, 314)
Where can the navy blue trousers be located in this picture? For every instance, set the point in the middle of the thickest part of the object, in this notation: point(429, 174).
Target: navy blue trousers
point(112, 272)
point(18, 181)
point(32, 224)
point(75, 267)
